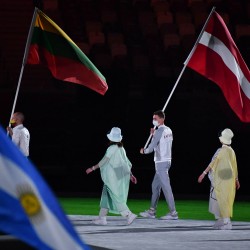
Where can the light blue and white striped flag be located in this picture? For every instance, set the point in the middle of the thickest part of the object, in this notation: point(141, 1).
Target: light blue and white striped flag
point(28, 208)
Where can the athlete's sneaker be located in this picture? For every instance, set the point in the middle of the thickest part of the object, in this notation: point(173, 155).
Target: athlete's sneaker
point(148, 214)
point(131, 218)
point(225, 226)
point(100, 221)
point(218, 224)
point(170, 216)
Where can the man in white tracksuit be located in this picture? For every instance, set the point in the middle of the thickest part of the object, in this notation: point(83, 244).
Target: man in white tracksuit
point(161, 144)
point(20, 135)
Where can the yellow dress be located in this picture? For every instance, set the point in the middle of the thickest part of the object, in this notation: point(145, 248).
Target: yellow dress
point(223, 177)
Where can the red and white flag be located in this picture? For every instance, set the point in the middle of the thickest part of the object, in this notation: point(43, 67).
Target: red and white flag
point(217, 58)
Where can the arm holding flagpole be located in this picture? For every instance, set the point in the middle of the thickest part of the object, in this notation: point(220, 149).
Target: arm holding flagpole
point(182, 71)
point(24, 61)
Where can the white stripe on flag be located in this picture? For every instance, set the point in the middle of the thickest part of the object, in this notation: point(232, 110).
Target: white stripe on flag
point(220, 48)
point(50, 231)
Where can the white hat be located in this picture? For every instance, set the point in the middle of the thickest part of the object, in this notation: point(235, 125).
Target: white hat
point(115, 135)
point(226, 136)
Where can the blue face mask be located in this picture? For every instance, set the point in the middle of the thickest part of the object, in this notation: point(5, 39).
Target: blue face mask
point(155, 123)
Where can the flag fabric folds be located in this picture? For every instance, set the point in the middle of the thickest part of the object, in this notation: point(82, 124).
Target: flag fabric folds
point(28, 208)
point(52, 47)
point(217, 58)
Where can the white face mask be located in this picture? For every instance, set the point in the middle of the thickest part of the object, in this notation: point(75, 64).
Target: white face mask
point(155, 123)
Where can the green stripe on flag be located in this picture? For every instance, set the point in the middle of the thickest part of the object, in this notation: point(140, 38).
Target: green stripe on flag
point(59, 46)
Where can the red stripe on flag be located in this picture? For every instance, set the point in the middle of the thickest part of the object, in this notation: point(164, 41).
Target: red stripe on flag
point(212, 66)
point(209, 63)
point(66, 69)
point(217, 28)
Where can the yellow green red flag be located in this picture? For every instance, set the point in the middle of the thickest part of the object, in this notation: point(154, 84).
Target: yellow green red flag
point(52, 47)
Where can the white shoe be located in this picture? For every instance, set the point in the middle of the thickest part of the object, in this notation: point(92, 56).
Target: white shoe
point(100, 221)
point(131, 218)
point(218, 223)
point(148, 214)
point(170, 216)
point(225, 226)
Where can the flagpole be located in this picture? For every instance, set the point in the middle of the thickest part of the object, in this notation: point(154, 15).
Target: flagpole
point(182, 71)
point(170, 95)
point(199, 37)
point(24, 60)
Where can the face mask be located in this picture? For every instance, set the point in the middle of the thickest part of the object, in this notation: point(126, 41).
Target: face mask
point(13, 122)
point(155, 123)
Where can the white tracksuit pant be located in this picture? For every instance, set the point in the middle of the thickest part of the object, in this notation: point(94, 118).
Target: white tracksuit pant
point(160, 182)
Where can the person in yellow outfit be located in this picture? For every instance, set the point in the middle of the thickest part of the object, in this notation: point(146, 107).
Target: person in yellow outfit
point(223, 174)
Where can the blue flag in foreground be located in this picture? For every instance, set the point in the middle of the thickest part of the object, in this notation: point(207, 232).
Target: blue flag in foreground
point(28, 208)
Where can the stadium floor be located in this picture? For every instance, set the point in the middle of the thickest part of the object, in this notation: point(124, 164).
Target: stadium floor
point(158, 234)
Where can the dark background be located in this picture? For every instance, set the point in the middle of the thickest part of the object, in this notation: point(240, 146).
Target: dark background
point(68, 123)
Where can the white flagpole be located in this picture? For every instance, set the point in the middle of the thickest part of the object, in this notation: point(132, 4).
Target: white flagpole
point(199, 37)
point(24, 61)
point(182, 71)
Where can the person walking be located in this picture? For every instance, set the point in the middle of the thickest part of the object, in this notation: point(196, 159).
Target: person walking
point(116, 174)
point(20, 135)
point(223, 174)
point(161, 144)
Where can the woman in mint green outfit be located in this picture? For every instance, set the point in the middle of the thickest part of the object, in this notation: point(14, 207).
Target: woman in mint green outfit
point(116, 174)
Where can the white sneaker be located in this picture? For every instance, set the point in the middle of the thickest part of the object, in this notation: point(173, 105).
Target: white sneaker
point(170, 216)
point(100, 221)
point(226, 226)
point(148, 214)
point(131, 218)
point(218, 224)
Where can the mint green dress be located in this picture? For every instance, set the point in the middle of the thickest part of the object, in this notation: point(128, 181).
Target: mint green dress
point(115, 170)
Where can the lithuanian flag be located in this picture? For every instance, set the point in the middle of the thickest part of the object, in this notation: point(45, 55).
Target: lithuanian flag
point(52, 47)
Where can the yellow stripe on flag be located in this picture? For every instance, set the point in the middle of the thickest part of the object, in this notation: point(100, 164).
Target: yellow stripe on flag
point(46, 24)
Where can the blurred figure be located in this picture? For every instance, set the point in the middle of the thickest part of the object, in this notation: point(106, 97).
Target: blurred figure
point(19, 134)
point(161, 144)
point(116, 174)
point(223, 174)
